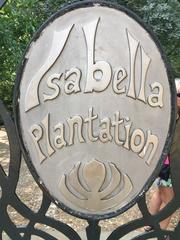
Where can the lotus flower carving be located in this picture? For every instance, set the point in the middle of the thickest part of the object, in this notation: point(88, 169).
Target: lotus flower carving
point(95, 186)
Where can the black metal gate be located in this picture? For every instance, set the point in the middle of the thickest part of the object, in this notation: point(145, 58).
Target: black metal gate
point(9, 197)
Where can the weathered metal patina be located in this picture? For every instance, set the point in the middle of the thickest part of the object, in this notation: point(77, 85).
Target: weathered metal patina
point(94, 109)
point(94, 106)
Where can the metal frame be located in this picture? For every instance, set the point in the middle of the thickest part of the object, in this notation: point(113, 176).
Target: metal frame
point(8, 183)
point(61, 12)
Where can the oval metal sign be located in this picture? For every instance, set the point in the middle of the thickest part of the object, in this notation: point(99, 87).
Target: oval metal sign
point(94, 108)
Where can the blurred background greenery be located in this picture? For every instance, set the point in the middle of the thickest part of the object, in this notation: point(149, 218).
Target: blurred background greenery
point(19, 19)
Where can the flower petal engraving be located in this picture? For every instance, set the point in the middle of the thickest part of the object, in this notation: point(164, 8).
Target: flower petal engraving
point(93, 175)
point(115, 181)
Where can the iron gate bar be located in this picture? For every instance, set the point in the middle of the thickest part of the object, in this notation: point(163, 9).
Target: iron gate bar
point(9, 197)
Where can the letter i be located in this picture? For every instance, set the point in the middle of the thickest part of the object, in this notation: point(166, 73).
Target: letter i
point(127, 131)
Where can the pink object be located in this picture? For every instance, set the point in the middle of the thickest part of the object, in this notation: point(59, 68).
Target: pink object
point(166, 160)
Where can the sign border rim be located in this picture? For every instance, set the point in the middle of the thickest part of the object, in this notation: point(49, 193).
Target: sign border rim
point(62, 11)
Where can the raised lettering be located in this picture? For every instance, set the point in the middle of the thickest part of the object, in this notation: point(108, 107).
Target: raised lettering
point(73, 85)
point(116, 124)
point(105, 132)
point(36, 133)
point(127, 132)
point(59, 141)
point(145, 62)
point(119, 75)
point(133, 46)
point(137, 144)
point(54, 86)
point(98, 73)
point(58, 43)
point(76, 120)
point(156, 99)
point(151, 145)
point(90, 120)
point(45, 123)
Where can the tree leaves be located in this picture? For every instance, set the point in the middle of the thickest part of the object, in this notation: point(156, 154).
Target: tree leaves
point(21, 18)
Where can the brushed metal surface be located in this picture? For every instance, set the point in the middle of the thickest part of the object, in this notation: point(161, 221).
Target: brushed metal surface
point(95, 107)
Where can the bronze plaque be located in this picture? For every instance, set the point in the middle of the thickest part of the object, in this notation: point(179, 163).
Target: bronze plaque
point(94, 108)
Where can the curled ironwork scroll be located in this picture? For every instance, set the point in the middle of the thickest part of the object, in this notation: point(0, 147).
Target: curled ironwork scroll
point(8, 187)
point(93, 123)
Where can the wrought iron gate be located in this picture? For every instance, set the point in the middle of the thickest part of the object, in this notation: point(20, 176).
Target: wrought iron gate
point(8, 184)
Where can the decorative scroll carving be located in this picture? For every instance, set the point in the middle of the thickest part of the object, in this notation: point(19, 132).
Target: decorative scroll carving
point(84, 186)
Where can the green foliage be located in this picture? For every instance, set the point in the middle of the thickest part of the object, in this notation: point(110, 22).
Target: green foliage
point(163, 17)
point(19, 19)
